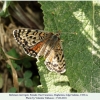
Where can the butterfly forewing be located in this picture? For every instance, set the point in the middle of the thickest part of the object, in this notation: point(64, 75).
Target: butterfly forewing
point(31, 40)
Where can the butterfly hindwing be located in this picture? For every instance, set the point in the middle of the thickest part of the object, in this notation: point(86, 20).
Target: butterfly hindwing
point(55, 60)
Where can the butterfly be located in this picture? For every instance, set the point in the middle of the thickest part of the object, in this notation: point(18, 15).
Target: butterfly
point(38, 43)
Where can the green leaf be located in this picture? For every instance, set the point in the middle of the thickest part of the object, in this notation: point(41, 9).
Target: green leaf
point(27, 74)
point(4, 12)
point(28, 83)
point(20, 80)
point(13, 53)
point(81, 48)
point(16, 66)
point(27, 64)
point(12, 90)
point(39, 89)
point(25, 61)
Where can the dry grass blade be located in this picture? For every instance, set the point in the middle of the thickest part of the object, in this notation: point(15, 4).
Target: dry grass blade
point(18, 13)
point(14, 73)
